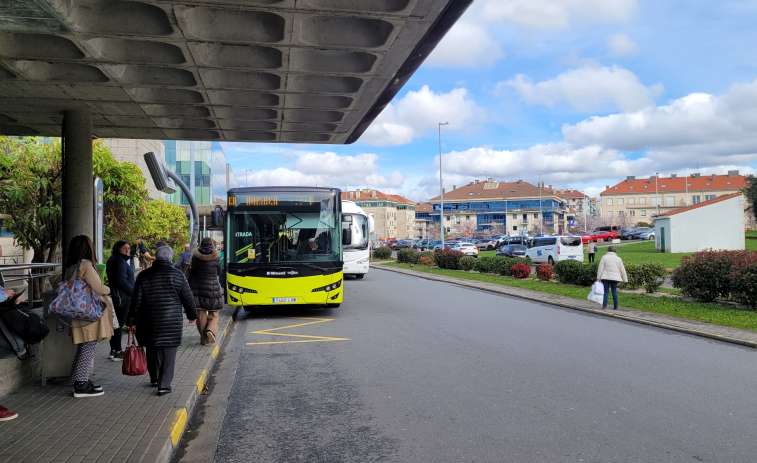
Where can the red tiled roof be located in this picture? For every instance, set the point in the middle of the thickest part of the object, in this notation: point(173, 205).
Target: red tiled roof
point(697, 206)
point(704, 182)
point(503, 189)
point(368, 195)
point(424, 207)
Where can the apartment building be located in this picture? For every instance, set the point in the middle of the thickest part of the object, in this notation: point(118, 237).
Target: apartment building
point(499, 207)
point(393, 215)
point(424, 219)
point(637, 200)
point(578, 200)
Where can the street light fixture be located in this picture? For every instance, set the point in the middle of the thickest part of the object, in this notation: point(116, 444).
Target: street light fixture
point(245, 176)
point(441, 187)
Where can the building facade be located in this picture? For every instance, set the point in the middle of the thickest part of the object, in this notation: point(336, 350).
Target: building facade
point(423, 221)
point(502, 207)
point(202, 167)
point(637, 200)
point(393, 215)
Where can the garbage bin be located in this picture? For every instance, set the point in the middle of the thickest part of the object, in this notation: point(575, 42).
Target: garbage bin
point(58, 349)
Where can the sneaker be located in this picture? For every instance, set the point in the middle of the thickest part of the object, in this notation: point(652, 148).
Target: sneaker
point(86, 389)
point(211, 337)
point(112, 353)
point(165, 391)
point(7, 415)
point(118, 357)
point(96, 387)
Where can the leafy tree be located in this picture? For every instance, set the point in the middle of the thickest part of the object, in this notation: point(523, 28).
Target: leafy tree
point(164, 221)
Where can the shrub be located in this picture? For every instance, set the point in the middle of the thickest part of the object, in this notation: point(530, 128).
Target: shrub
point(428, 254)
point(427, 261)
point(651, 275)
point(633, 271)
point(544, 272)
point(520, 271)
point(448, 259)
point(467, 263)
point(588, 274)
point(408, 256)
point(743, 286)
point(382, 253)
point(568, 271)
point(485, 264)
point(707, 275)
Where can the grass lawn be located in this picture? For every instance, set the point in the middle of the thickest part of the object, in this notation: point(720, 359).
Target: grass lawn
point(752, 234)
point(710, 313)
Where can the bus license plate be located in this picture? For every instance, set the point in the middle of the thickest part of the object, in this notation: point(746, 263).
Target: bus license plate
point(284, 300)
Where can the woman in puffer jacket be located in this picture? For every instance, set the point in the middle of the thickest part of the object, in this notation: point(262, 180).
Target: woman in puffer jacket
point(611, 271)
point(204, 273)
point(160, 292)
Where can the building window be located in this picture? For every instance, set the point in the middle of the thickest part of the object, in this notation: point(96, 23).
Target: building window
point(709, 197)
point(632, 213)
point(515, 228)
point(447, 229)
point(536, 215)
point(467, 217)
point(696, 199)
point(609, 201)
point(631, 201)
point(620, 201)
point(646, 186)
point(447, 218)
point(609, 214)
point(642, 200)
point(670, 200)
point(515, 216)
point(643, 213)
point(656, 201)
point(621, 213)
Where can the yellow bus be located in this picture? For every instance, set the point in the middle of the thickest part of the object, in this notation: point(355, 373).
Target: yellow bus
point(284, 246)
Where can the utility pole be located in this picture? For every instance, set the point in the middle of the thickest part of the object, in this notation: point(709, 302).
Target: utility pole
point(441, 186)
point(656, 194)
point(585, 206)
point(686, 182)
point(540, 213)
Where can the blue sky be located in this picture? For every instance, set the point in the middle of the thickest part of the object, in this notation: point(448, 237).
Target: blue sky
point(584, 92)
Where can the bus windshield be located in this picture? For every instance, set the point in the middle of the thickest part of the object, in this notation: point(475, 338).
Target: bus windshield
point(266, 228)
point(359, 228)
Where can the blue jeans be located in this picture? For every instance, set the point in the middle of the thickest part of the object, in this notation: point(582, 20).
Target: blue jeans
point(610, 284)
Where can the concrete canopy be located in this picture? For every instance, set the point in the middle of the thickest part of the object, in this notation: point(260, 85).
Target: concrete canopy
point(293, 71)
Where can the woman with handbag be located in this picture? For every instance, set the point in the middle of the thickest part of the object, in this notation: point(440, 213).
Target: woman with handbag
point(205, 272)
point(121, 282)
point(156, 311)
point(80, 261)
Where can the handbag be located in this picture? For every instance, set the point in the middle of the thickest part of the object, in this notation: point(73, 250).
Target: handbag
point(27, 324)
point(135, 360)
point(76, 300)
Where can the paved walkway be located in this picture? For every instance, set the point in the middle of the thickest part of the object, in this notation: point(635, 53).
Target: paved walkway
point(130, 423)
point(708, 330)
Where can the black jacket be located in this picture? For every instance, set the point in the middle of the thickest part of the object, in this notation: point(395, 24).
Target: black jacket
point(203, 278)
point(120, 277)
point(156, 305)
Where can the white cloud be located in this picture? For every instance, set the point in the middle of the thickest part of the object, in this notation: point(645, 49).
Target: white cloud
point(419, 112)
point(621, 44)
point(468, 44)
point(588, 88)
point(556, 14)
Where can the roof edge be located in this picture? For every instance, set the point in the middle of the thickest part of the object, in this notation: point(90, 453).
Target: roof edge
point(697, 206)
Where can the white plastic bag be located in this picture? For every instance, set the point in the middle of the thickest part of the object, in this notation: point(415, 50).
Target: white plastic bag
point(597, 293)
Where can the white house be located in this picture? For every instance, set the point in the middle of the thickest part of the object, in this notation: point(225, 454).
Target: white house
point(717, 224)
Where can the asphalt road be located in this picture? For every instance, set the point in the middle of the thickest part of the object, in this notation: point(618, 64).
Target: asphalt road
point(437, 373)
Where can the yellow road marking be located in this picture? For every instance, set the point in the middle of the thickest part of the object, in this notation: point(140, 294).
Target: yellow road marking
point(201, 381)
point(177, 427)
point(215, 352)
point(270, 332)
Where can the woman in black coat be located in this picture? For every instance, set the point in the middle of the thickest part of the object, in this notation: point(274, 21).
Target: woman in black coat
point(156, 311)
point(204, 273)
point(121, 283)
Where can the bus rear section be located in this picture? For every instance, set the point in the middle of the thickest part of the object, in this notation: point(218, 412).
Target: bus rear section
point(284, 247)
point(358, 225)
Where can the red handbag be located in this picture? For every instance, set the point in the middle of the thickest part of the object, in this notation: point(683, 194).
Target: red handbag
point(135, 360)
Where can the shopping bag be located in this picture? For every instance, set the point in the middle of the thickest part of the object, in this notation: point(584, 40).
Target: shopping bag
point(597, 293)
point(135, 360)
point(598, 288)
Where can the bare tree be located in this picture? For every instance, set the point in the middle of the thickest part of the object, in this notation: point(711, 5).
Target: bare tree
point(467, 225)
point(498, 229)
point(434, 231)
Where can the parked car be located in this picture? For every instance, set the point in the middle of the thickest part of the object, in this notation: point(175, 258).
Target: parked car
point(585, 237)
point(647, 235)
point(609, 229)
point(466, 248)
point(485, 244)
point(603, 235)
point(555, 248)
point(430, 245)
point(390, 243)
point(512, 250)
point(636, 232)
point(404, 244)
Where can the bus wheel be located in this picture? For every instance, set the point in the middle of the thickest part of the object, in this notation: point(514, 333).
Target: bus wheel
point(333, 306)
point(360, 275)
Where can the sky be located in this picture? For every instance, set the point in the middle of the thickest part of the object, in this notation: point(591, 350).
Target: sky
point(583, 92)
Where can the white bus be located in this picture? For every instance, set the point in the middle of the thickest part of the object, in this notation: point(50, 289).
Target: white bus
point(357, 255)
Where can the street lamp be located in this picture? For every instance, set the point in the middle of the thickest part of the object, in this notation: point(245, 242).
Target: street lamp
point(656, 195)
point(245, 176)
point(441, 187)
point(540, 214)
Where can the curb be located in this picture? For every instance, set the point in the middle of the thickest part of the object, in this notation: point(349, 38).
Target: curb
point(566, 304)
point(167, 440)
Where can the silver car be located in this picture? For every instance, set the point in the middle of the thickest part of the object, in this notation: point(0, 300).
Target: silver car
point(647, 235)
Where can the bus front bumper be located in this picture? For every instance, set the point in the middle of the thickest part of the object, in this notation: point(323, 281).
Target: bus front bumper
point(353, 268)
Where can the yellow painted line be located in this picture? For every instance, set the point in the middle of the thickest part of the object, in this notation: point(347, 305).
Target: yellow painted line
point(215, 352)
point(177, 427)
point(201, 381)
point(270, 332)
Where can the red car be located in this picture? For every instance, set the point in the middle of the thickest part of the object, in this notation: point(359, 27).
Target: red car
point(585, 237)
point(391, 243)
point(606, 236)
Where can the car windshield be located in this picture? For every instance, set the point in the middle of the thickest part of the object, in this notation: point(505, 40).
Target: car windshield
point(518, 247)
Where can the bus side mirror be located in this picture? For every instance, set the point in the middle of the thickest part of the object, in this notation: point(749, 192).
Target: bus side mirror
point(216, 217)
point(346, 237)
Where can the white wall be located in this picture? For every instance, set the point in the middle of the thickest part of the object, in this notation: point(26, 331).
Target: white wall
point(719, 226)
point(133, 151)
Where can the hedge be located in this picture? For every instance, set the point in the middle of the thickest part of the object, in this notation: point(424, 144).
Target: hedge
point(709, 274)
point(408, 256)
point(573, 272)
point(467, 263)
point(382, 252)
point(448, 259)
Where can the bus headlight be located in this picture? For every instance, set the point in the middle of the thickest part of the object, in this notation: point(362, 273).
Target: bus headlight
point(240, 290)
point(364, 261)
point(330, 287)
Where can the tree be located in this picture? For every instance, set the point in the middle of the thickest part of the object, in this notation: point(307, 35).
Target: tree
point(467, 225)
point(750, 193)
point(434, 231)
point(164, 221)
point(497, 229)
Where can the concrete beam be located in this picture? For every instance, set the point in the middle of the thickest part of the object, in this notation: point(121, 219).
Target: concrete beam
point(78, 182)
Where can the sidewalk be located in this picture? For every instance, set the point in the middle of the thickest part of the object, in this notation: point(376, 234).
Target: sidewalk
point(130, 423)
point(683, 325)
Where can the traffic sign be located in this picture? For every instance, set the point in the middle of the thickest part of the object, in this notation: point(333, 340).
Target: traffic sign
point(466, 233)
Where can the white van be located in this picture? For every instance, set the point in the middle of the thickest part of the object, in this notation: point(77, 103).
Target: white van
point(554, 248)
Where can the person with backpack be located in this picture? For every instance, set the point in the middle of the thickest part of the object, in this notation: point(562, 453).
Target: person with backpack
point(80, 260)
point(121, 282)
point(591, 249)
point(160, 293)
point(183, 258)
point(204, 274)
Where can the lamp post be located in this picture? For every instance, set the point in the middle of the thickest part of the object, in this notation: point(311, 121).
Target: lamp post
point(656, 194)
point(540, 214)
point(441, 187)
point(245, 176)
point(686, 182)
